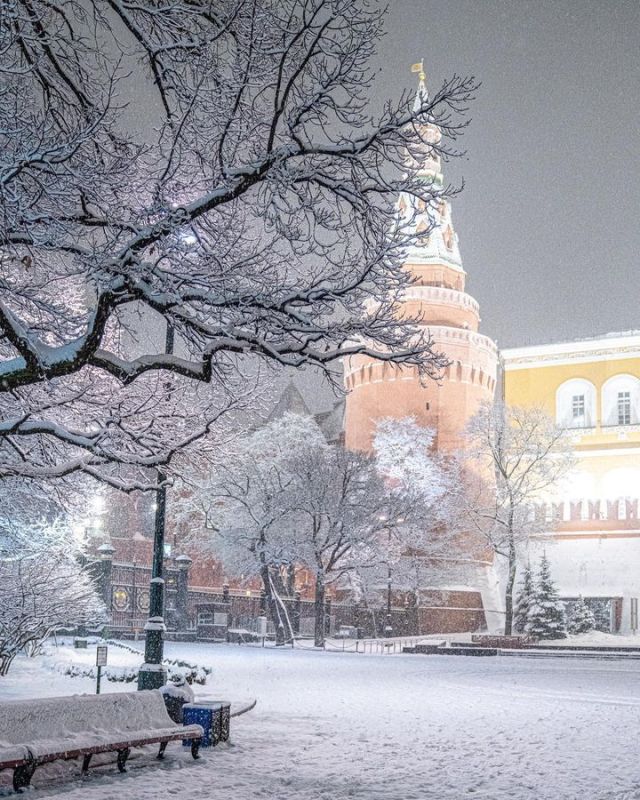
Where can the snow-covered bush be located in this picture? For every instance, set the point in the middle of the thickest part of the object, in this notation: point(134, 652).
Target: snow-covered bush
point(175, 666)
point(581, 618)
point(116, 674)
point(196, 672)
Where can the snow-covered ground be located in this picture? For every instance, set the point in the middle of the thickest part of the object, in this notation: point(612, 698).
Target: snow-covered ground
point(332, 726)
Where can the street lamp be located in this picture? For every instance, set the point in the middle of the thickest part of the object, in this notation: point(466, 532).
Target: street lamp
point(153, 674)
point(388, 628)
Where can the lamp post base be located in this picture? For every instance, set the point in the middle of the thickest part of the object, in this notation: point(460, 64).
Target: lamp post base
point(152, 676)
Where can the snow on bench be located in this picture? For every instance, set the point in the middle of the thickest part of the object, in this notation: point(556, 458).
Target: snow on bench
point(34, 732)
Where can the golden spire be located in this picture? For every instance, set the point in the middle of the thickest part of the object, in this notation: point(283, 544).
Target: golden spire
point(419, 68)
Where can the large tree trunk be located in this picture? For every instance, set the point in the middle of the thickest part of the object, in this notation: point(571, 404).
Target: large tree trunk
point(319, 611)
point(5, 662)
point(511, 579)
point(291, 580)
point(273, 607)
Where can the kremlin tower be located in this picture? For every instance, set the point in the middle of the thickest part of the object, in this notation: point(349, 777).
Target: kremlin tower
point(376, 389)
point(464, 598)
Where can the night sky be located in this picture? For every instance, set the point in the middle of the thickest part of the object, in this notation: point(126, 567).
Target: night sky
point(548, 220)
point(549, 217)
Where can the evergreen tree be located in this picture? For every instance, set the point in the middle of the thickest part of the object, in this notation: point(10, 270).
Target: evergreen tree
point(524, 601)
point(602, 614)
point(546, 615)
point(582, 618)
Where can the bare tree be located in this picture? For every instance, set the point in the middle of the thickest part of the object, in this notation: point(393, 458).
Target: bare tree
point(248, 514)
point(340, 505)
point(288, 500)
point(253, 215)
point(516, 455)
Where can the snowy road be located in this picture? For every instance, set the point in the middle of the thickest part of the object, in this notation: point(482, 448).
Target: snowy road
point(334, 726)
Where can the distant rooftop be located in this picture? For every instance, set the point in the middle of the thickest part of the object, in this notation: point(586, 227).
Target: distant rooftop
point(615, 344)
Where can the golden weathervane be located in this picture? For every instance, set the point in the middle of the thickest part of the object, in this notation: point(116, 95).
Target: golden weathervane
point(419, 68)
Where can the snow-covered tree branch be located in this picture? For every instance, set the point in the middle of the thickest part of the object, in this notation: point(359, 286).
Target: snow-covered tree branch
point(254, 214)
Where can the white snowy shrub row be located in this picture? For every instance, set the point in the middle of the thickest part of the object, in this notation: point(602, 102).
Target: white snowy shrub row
point(129, 674)
point(175, 665)
point(115, 674)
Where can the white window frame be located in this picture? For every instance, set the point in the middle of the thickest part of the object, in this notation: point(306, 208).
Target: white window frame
point(611, 397)
point(566, 395)
point(624, 408)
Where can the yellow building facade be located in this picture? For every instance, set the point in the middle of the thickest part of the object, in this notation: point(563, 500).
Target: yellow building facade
point(592, 388)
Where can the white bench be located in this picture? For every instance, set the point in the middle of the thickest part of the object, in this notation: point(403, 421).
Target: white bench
point(34, 732)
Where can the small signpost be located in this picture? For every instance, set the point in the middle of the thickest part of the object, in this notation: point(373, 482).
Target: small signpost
point(101, 661)
point(262, 628)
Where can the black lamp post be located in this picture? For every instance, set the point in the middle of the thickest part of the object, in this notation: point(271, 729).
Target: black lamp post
point(153, 674)
point(105, 555)
point(388, 628)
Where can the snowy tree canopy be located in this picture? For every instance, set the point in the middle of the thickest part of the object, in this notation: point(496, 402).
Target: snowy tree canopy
point(43, 586)
point(254, 214)
point(430, 543)
point(403, 450)
point(288, 499)
point(244, 501)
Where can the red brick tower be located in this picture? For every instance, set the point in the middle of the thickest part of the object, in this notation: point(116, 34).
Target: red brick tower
point(378, 390)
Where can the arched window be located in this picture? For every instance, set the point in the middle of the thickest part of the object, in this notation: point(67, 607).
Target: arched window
point(576, 404)
point(621, 400)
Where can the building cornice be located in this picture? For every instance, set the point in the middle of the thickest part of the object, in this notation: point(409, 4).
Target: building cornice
point(415, 259)
point(448, 333)
point(608, 348)
point(441, 296)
